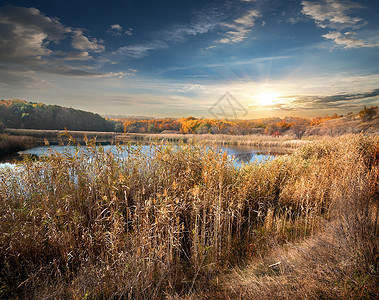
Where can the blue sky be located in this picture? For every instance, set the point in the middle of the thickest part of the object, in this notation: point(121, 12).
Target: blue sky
point(178, 58)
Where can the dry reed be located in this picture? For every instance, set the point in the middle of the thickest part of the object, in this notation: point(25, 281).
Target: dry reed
point(93, 225)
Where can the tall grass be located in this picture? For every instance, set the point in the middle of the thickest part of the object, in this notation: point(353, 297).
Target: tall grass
point(10, 145)
point(254, 140)
point(169, 222)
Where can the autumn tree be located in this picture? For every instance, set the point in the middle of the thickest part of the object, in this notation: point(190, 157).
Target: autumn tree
point(366, 114)
point(299, 127)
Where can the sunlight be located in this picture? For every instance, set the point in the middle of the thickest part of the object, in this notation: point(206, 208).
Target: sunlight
point(267, 98)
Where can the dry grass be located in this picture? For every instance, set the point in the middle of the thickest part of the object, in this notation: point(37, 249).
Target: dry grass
point(10, 145)
point(256, 140)
point(170, 223)
point(63, 136)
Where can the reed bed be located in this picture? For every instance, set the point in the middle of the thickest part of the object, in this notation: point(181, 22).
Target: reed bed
point(169, 223)
point(255, 140)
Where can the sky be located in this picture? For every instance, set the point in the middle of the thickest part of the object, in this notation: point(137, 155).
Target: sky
point(174, 58)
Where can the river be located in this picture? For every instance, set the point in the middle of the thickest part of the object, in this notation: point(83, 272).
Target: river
point(240, 154)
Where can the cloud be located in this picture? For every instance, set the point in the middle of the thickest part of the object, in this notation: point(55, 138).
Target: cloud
point(25, 33)
point(26, 37)
point(116, 29)
point(130, 72)
point(81, 42)
point(139, 50)
point(333, 13)
point(203, 22)
point(240, 27)
point(129, 31)
point(341, 101)
point(346, 40)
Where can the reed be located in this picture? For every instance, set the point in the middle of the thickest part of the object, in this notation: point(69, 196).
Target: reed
point(170, 222)
point(10, 145)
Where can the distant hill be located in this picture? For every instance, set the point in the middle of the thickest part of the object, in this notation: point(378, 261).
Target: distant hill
point(366, 121)
point(30, 115)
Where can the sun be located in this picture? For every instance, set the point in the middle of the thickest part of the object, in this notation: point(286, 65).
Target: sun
point(267, 98)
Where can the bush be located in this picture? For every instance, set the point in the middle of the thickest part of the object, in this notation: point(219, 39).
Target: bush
point(366, 114)
point(10, 145)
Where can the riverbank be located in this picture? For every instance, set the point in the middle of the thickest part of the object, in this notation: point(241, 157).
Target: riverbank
point(257, 140)
point(63, 137)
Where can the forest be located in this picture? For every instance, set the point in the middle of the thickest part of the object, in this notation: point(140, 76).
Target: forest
point(30, 115)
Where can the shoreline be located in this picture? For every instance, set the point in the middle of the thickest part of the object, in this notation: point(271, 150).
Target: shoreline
point(55, 137)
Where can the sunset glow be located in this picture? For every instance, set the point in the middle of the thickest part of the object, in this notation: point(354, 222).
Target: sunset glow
point(267, 98)
point(178, 58)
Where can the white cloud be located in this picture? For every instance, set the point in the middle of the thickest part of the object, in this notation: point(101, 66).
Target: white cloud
point(240, 27)
point(333, 13)
point(139, 50)
point(346, 40)
point(336, 15)
point(81, 42)
point(130, 72)
point(203, 22)
point(129, 31)
point(116, 29)
point(248, 19)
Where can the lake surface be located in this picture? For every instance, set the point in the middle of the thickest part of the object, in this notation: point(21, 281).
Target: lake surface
point(240, 154)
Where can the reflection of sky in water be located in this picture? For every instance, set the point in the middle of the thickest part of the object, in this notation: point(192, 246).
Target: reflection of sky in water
point(241, 154)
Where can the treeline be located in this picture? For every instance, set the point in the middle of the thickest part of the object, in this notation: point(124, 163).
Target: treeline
point(29, 115)
point(191, 125)
point(268, 126)
point(21, 114)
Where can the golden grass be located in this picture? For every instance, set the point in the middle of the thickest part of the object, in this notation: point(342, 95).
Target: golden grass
point(256, 140)
point(171, 223)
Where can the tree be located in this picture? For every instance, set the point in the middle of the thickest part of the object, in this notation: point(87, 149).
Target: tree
point(366, 114)
point(299, 127)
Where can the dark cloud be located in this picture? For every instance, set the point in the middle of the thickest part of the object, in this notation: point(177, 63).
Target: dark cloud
point(338, 98)
point(340, 101)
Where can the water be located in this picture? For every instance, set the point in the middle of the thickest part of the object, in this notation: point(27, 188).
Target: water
point(239, 154)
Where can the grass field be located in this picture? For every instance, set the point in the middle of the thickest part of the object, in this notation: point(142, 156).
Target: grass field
point(184, 223)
